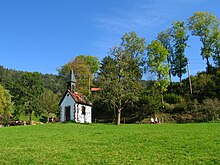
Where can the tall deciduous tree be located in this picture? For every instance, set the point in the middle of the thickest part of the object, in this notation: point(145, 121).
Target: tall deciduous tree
point(84, 67)
point(202, 24)
point(180, 37)
point(216, 46)
point(93, 63)
point(157, 56)
point(165, 38)
point(121, 72)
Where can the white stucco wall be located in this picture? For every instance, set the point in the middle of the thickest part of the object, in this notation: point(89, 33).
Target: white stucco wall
point(67, 101)
point(80, 117)
point(75, 110)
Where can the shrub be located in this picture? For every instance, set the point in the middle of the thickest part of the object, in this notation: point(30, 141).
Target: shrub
point(211, 107)
point(172, 98)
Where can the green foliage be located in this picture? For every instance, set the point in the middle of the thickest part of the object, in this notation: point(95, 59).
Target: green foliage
point(204, 25)
point(93, 63)
point(152, 104)
point(203, 86)
point(216, 46)
point(157, 56)
point(211, 107)
point(30, 87)
point(47, 104)
point(172, 98)
point(120, 73)
point(57, 84)
point(6, 105)
point(83, 68)
point(179, 35)
point(165, 38)
point(12, 81)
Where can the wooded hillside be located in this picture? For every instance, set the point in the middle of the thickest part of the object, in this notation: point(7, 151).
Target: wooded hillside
point(124, 93)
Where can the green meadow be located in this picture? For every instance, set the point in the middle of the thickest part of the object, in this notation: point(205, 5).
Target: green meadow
point(72, 143)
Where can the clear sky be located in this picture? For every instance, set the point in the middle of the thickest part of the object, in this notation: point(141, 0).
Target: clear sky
point(42, 35)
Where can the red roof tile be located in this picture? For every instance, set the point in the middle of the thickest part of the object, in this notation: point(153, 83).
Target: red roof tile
point(96, 89)
point(78, 97)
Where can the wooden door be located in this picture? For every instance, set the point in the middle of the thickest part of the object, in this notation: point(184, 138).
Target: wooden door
point(67, 112)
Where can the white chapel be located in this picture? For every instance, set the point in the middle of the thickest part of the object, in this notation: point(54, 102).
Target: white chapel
point(75, 106)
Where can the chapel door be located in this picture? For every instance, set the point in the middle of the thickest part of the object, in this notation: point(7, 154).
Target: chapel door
point(67, 112)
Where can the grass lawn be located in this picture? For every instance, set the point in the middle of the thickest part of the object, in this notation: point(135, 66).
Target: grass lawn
point(109, 144)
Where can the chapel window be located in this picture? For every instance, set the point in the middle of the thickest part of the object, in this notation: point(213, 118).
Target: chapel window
point(83, 110)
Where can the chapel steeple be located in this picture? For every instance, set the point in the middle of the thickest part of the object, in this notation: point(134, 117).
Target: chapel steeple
point(71, 83)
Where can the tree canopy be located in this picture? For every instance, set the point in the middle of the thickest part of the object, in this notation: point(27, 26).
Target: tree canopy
point(6, 105)
point(204, 25)
point(157, 56)
point(84, 67)
point(120, 72)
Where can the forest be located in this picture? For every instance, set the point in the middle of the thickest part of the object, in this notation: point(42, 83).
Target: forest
point(124, 95)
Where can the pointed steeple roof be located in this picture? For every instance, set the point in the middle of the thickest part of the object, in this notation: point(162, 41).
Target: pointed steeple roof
point(72, 77)
point(71, 82)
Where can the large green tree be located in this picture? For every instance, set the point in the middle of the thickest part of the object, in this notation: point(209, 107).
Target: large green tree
point(179, 37)
point(121, 72)
point(165, 38)
point(30, 87)
point(6, 105)
point(203, 24)
point(93, 64)
point(216, 46)
point(84, 67)
point(157, 64)
point(47, 103)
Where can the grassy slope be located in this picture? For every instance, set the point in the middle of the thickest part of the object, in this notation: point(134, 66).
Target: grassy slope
point(109, 144)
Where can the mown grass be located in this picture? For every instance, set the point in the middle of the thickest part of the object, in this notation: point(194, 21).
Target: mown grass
point(109, 144)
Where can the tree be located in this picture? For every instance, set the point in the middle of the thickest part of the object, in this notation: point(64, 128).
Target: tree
point(157, 56)
point(165, 38)
point(203, 86)
point(216, 46)
point(180, 37)
point(121, 72)
point(30, 88)
point(202, 24)
point(93, 63)
point(6, 105)
point(47, 103)
point(82, 68)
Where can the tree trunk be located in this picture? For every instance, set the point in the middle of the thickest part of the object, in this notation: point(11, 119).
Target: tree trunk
point(162, 99)
point(170, 76)
point(118, 117)
point(119, 114)
point(208, 64)
point(30, 117)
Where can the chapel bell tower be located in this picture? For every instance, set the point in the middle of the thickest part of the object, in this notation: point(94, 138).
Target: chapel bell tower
point(71, 83)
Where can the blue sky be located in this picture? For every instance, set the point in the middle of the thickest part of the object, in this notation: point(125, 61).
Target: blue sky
point(42, 35)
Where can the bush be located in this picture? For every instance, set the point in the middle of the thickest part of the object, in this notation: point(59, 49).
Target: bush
point(210, 107)
point(172, 98)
